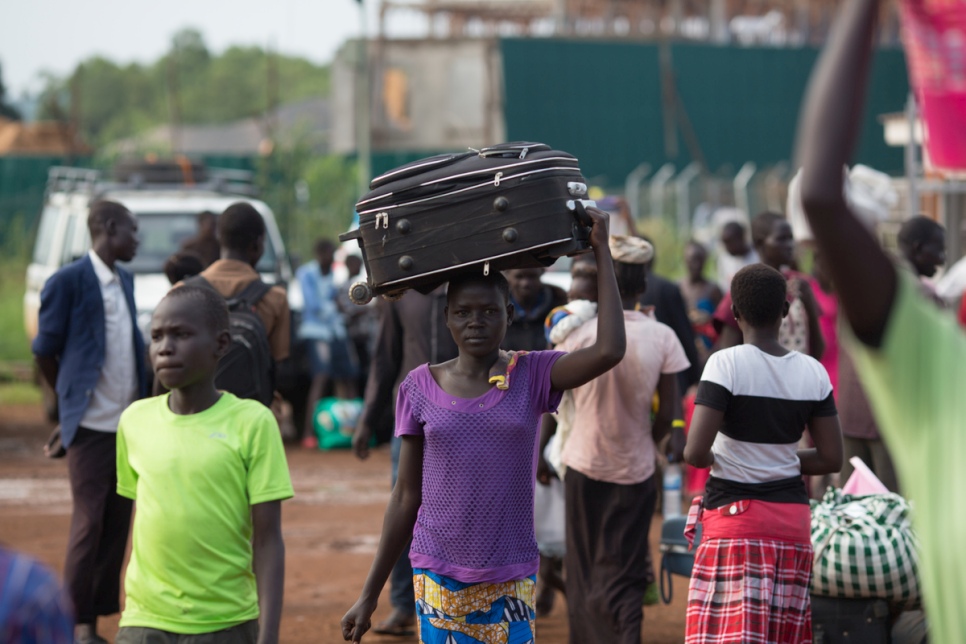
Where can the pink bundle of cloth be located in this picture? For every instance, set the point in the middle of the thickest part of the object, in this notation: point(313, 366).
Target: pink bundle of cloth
point(863, 480)
point(934, 37)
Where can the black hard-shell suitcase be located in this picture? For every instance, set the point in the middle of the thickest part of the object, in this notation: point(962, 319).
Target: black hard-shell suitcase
point(837, 620)
point(515, 205)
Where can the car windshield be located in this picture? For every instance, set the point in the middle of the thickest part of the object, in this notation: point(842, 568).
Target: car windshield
point(161, 235)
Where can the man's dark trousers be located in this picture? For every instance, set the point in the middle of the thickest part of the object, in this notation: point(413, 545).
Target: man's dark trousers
point(99, 526)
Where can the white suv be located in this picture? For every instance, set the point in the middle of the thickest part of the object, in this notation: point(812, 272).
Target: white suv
point(167, 215)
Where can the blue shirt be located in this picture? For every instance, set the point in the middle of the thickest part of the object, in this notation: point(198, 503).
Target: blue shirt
point(321, 318)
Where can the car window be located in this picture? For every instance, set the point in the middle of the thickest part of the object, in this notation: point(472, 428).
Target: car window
point(161, 235)
point(49, 220)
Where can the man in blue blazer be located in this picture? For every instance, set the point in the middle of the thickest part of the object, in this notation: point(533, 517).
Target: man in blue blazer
point(90, 351)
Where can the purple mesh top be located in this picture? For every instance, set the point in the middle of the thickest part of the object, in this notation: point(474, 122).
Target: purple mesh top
point(475, 523)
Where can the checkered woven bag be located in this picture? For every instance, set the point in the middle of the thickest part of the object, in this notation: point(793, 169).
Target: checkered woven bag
point(865, 547)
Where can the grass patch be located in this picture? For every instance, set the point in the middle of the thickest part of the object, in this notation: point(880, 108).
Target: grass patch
point(19, 393)
point(14, 345)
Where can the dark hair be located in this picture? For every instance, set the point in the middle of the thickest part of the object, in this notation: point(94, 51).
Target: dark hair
point(211, 305)
point(322, 245)
point(205, 215)
point(181, 265)
point(917, 230)
point(733, 227)
point(495, 278)
point(240, 226)
point(101, 212)
point(762, 225)
point(631, 279)
point(694, 243)
point(758, 293)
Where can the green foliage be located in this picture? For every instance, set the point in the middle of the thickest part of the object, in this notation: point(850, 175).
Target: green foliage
point(7, 111)
point(669, 246)
point(312, 197)
point(333, 194)
point(13, 269)
point(188, 85)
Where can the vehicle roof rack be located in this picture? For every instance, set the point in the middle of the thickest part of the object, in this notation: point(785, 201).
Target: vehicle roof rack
point(152, 176)
point(69, 179)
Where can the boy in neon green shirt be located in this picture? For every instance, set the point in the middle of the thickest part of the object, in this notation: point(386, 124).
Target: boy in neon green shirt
point(208, 473)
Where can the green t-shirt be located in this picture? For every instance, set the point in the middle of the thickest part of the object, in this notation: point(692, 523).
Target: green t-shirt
point(916, 382)
point(195, 478)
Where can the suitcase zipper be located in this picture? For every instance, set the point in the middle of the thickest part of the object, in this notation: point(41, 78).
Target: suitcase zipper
point(483, 172)
point(518, 149)
point(486, 184)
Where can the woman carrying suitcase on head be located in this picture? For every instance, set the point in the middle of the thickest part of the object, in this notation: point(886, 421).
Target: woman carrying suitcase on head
point(468, 463)
point(752, 571)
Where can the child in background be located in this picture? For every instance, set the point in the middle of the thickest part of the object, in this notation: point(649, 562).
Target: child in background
point(701, 297)
point(468, 460)
point(208, 473)
point(752, 571)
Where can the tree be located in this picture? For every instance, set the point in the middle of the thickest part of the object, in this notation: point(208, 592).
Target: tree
point(188, 84)
point(7, 110)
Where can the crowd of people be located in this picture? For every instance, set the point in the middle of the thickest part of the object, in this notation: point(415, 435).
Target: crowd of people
point(494, 389)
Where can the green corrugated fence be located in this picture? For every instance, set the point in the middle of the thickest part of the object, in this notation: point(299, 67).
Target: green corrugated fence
point(602, 101)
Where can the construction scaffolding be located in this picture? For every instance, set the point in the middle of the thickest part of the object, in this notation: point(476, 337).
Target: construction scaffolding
point(776, 22)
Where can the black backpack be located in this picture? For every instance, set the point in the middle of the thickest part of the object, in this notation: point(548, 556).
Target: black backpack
point(247, 369)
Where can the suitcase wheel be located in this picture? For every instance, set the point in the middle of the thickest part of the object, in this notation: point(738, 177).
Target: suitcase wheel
point(392, 297)
point(360, 293)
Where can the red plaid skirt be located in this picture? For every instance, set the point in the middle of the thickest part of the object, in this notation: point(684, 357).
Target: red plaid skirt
point(750, 591)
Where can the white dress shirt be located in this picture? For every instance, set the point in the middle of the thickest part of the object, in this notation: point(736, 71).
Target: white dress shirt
point(117, 385)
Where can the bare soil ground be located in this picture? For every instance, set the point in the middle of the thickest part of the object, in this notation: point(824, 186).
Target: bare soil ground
point(331, 529)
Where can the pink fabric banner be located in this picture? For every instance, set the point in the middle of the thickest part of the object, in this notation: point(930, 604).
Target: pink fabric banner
point(934, 36)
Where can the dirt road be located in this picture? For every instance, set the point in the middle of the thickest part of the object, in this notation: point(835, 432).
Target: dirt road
point(331, 528)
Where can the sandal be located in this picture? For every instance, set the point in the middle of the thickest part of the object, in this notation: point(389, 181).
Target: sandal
point(396, 624)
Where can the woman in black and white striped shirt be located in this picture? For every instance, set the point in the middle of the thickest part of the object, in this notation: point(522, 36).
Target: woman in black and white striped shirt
point(752, 570)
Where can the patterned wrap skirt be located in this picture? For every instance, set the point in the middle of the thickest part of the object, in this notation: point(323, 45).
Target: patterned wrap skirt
point(751, 589)
point(454, 612)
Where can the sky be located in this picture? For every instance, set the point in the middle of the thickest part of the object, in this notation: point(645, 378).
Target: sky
point(55, 35)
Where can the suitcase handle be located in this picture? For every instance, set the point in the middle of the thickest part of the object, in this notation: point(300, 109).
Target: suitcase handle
point(579, 207)
point(355, 233)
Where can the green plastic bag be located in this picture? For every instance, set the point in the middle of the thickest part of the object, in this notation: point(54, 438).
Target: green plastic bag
point(335, 421)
